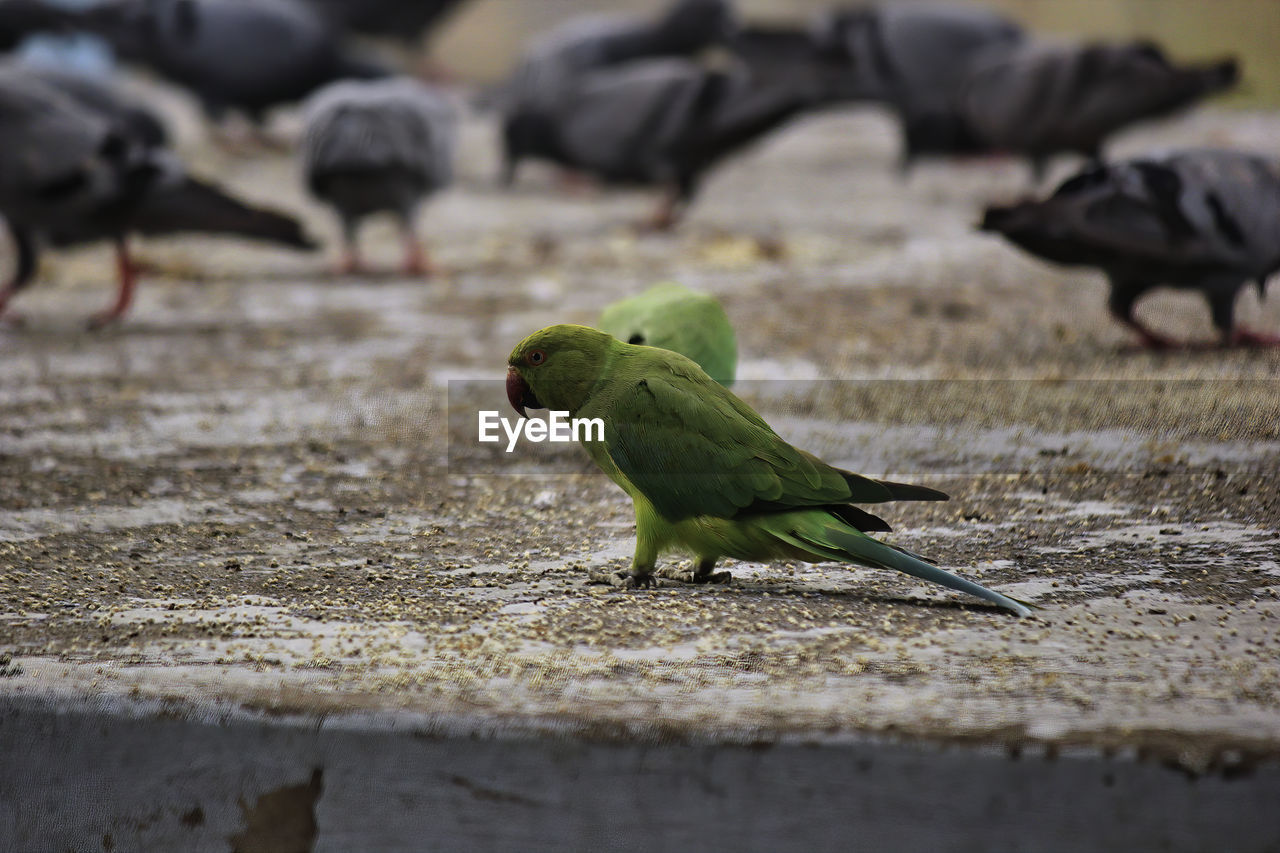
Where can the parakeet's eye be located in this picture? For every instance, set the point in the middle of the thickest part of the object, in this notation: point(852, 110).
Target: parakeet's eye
point(636, 339)
point(535, 357)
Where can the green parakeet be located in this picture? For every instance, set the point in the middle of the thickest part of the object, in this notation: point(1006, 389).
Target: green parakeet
point(673, 317)
point(707, 475)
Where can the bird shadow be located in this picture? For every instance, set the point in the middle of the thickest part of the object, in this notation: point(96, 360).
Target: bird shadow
point(939, 605)
point(1134, 348)
point(738, 587)
point(60, 332)
point(377, 276)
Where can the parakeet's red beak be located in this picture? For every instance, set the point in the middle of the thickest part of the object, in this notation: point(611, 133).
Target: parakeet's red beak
point(519, 393)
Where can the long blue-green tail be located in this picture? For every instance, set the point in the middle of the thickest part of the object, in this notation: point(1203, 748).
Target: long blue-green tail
point(844, 544)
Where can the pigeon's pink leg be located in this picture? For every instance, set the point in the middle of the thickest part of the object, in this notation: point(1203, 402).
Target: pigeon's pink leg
point(349, 262)
point(10, 318)
point(666, 215)
point(1240, 337)
point(124, 298)
point(417, 261)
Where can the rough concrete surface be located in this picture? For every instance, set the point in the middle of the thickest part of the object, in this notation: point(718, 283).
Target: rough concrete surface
point(263, 492)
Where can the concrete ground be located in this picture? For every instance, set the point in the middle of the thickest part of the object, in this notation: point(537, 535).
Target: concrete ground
point(262, 492)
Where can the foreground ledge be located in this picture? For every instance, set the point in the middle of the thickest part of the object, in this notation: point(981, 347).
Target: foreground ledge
point(118, 774)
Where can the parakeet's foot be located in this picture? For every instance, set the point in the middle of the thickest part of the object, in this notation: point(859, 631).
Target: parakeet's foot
point(691, 574)
point(623, 579)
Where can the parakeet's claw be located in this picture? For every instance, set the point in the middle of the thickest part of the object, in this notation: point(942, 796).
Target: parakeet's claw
point(691, 574)
point(623, 579)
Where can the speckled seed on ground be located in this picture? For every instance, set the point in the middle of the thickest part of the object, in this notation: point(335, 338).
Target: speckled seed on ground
point(250, 491)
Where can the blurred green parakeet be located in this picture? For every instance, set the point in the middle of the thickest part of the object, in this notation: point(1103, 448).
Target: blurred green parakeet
point(707, 475)
point(673, 317)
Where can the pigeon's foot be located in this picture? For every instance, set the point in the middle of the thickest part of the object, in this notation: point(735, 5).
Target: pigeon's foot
point(623, 579)
point(1246, 338)
point(419, 269)
point(1149, 340)
point(149, 267)
point(691, 574)
point(417, 262)
point(7, 293)
point(576, 184)
point(103, 319)
point(662, 221)
point(128, 276)
point(349, 263)
point(247, 139)
point(433, 71)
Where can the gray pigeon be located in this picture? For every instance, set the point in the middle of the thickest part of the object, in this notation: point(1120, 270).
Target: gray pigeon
point(913, 57)
point(245, 55)
point(781, 51)
point(74, 172)
point(405, 20)
point(665, 122)
point(104, 98)
point(1041, 99)
point(21, 18)
point(1201, 219)
point(382, 145)
point(554, 64)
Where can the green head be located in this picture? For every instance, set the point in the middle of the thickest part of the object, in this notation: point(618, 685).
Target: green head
point(556, 367)
point(673, 317)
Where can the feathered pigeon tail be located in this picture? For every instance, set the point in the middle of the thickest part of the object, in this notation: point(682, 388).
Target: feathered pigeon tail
point(199, 207)
point(1190, 84)
point(1219, 76)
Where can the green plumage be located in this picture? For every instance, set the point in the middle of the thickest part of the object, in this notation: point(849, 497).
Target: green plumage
point(673, 317)
point(707, 475)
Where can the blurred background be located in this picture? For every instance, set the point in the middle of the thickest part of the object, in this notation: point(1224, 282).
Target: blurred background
point(483, 36)
point(262, 484)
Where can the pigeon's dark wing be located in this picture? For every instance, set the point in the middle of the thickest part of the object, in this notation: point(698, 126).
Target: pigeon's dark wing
point(59, 158)
point(107, 100)
point(244, 55)
point(912, 55)
point(406, 20)
point(1045, 98)
point(625, 121)
point(21, 18)
point(552, 66)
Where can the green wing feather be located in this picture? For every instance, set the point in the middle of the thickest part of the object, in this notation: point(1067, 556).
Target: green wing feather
point(693, 448)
